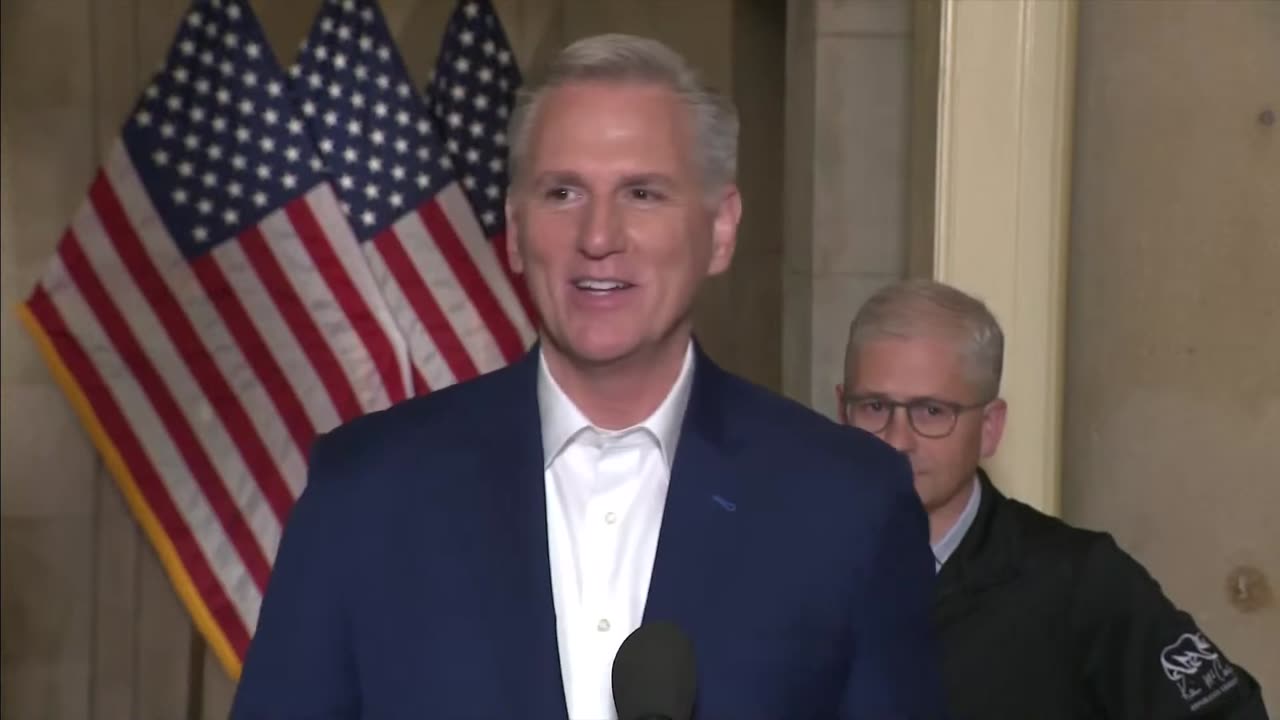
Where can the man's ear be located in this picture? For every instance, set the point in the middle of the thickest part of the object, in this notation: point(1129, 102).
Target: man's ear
point(993, 417)
point(724, 230)
point(841, 408)
point(513, 237)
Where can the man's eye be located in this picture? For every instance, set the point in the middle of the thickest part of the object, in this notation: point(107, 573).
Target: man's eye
point(561, 194)
point(645, 194)
point(873, 406)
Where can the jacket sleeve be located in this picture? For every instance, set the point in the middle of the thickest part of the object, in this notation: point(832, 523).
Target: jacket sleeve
point(298, 665)
point(1143, 657)
point(896, 670)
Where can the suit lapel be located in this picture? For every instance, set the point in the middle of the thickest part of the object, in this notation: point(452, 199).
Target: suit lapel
point(514, 468)
point(700, 539)
point(698, 544)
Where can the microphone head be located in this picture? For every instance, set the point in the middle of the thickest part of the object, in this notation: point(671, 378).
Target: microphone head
point(654, 675)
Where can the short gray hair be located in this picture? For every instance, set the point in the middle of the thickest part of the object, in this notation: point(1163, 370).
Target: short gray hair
point(915, 308)
point(617, 58)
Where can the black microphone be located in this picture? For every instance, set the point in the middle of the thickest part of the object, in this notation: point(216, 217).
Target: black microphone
point(653, 674)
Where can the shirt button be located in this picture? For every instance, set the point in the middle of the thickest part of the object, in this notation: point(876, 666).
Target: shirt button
point(603, 625)
point(611, 517)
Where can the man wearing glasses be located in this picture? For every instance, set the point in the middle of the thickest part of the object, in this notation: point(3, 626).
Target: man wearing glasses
point(1035, 618)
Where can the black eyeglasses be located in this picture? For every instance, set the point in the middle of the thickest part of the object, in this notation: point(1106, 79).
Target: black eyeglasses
point(930, 418)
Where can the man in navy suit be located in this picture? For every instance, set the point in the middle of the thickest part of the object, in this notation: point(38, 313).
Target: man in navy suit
point(483, 551)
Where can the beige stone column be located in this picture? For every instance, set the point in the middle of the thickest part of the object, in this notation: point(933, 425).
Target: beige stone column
point(847, 127)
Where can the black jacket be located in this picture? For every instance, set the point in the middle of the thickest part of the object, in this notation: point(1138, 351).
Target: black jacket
point(1042, 621)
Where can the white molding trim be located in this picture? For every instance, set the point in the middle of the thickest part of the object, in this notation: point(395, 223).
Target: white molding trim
point(1005, 107)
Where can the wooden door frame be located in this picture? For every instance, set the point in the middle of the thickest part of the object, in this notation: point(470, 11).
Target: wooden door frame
point(1006, 77)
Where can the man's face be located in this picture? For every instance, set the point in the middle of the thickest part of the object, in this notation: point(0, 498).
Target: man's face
point(613, 228)
point(929, 369)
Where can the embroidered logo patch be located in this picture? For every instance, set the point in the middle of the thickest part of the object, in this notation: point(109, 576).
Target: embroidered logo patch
point(1198, 669)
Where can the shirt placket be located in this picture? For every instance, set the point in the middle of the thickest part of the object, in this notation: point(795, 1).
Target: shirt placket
point(606, 612)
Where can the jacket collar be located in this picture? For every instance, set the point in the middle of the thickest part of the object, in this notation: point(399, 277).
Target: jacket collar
point(985, 558)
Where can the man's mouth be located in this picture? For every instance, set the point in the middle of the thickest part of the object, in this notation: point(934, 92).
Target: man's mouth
point(601, 286)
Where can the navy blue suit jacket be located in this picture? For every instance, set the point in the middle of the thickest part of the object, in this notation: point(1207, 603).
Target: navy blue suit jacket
point(413, 577)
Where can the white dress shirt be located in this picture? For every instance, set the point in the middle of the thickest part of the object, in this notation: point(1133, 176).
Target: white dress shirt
point(605, 496)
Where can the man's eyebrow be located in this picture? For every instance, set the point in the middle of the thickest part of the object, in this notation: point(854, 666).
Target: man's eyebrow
point(647, 179)
point(908, 400)
point(569, 177)
point(558, 177)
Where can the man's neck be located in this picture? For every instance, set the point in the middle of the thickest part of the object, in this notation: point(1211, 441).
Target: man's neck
point(622, 393)
point(945, 516)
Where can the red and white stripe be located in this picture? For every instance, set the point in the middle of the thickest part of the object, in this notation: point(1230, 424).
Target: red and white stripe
point(490, 265)
point(211, 377)
point(448, 293)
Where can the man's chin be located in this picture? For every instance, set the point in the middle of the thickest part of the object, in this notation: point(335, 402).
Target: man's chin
point(603, 348)
point(597, 353)
point(930, 496)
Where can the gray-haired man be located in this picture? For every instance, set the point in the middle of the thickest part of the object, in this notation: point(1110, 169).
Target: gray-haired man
point(484, 551)
point(1037, 619)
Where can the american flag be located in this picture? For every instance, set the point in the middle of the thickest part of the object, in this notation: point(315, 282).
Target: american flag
point(442, 279)
point(208, 312)
point(471, 94)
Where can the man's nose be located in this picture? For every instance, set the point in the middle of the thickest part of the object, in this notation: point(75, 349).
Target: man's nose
point(601, 233)
point(899, 432)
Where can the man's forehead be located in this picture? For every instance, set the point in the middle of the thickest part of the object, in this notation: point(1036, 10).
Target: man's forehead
point(637, 87)
point(919, 365)
point(939, 347)
point(580, 131)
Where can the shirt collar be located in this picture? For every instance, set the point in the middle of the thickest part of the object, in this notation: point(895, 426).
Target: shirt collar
point(562, 420)
point(951, 540)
